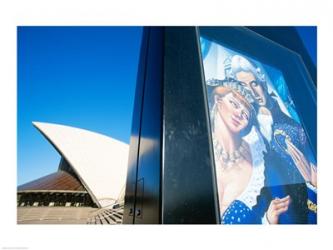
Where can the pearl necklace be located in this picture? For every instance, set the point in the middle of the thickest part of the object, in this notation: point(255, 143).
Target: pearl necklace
point(229, 159)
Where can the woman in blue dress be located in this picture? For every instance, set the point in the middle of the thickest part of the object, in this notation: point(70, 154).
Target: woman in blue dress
point(239, 158)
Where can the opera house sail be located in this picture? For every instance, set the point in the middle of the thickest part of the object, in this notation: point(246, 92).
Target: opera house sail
point(88, 186)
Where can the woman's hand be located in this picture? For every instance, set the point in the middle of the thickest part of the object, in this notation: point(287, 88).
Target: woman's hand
point(277, 207)
point(307, 170)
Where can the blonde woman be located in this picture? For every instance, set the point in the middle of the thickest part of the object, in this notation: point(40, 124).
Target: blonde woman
point(239, 166)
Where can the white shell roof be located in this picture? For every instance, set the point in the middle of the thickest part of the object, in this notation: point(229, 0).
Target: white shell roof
point(98, 160)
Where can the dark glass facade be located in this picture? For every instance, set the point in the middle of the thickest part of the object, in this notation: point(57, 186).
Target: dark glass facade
point(173, 176)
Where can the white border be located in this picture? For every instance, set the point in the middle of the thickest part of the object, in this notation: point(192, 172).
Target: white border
point(172, 12)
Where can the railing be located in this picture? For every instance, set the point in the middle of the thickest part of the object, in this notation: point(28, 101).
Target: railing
point(107, 215)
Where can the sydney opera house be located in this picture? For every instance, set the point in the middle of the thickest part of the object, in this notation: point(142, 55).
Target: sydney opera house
point(88, 186)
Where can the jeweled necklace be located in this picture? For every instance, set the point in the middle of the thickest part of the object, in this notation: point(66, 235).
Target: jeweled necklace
point(229, 159)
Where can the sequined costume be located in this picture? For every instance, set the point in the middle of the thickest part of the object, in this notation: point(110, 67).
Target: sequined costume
point(284, 127)
point(282, 176)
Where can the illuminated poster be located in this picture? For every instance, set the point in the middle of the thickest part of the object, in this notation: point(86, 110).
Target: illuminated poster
point(265, 169)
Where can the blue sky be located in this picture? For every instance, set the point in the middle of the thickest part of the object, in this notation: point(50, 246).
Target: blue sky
point(78, 76)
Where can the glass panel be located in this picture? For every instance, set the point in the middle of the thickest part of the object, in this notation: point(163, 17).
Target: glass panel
point(264, 166)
